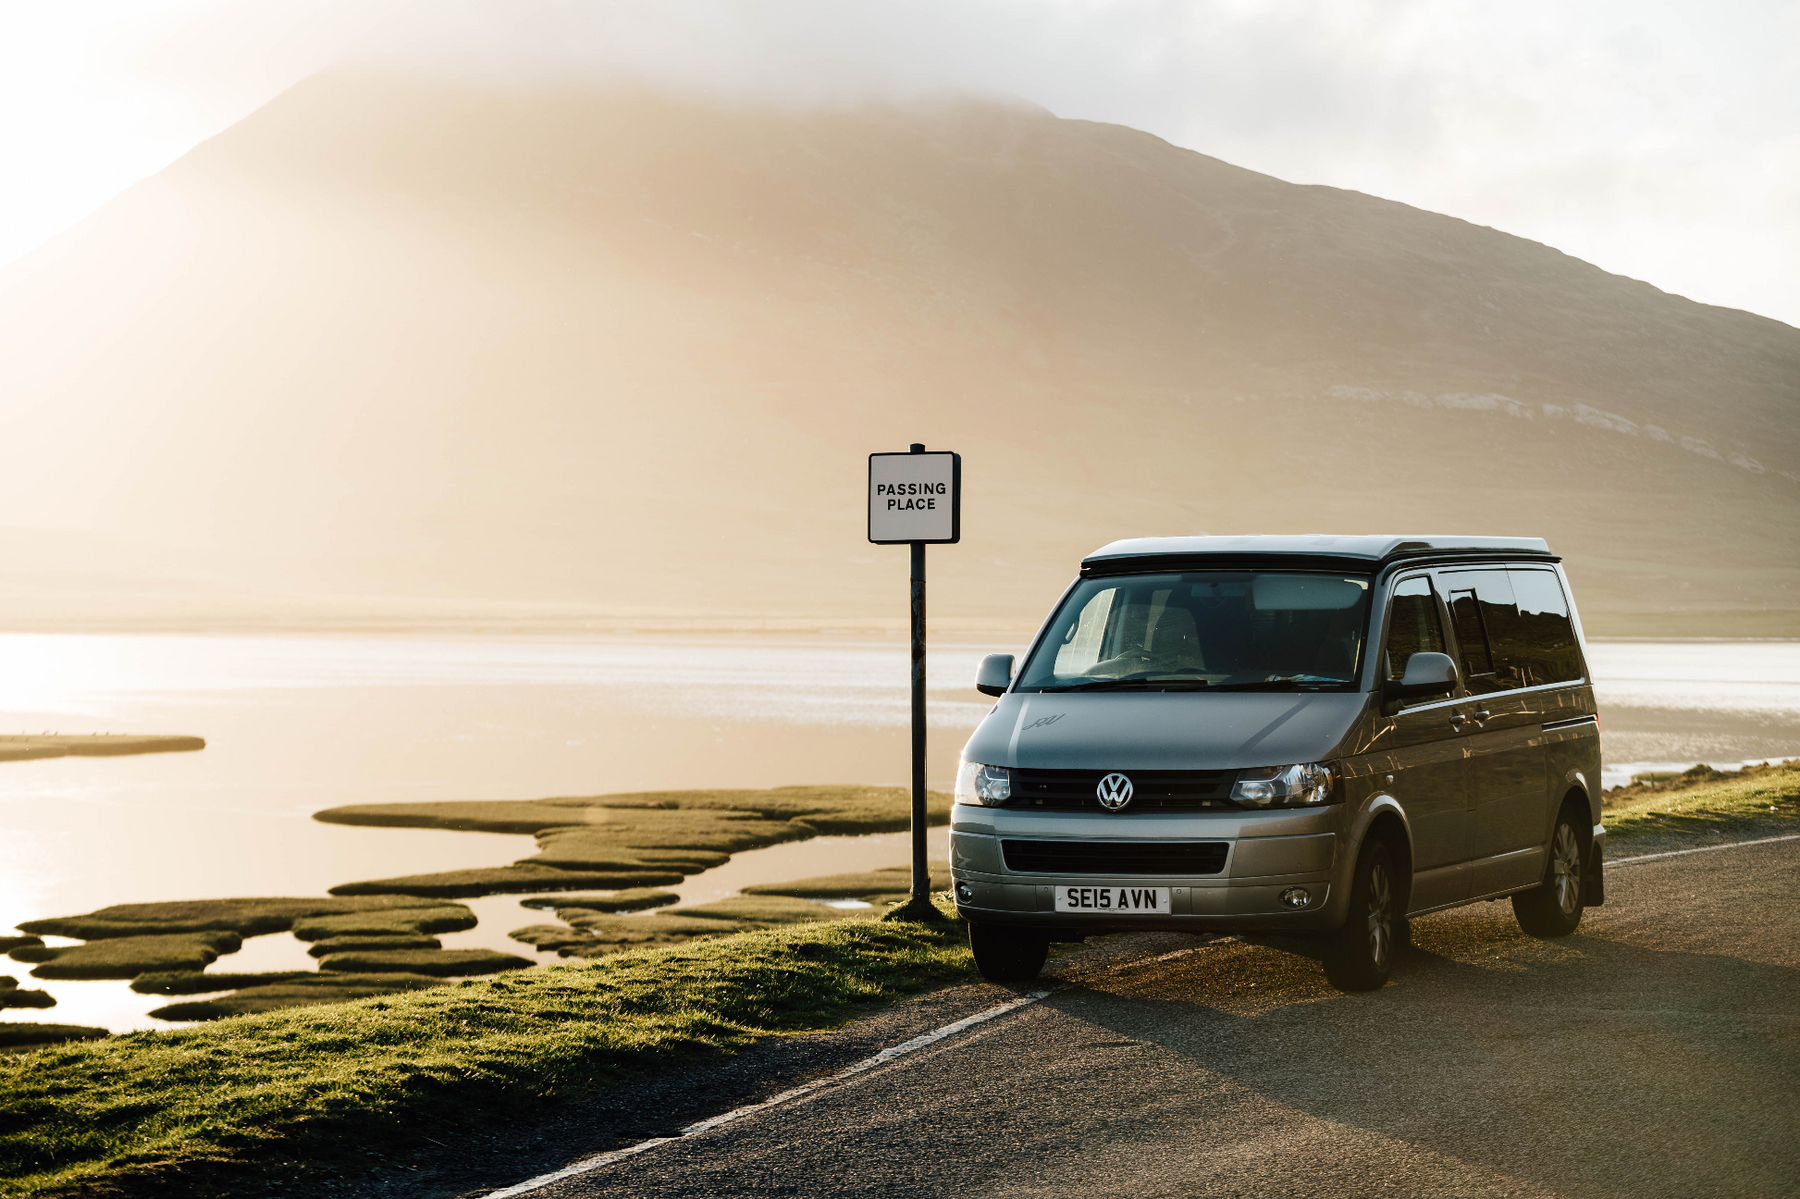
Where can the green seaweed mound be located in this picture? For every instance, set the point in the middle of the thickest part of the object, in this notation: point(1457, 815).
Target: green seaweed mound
point(245, 917)
point(760, 911)
point(193, 982)
point(362, 944)
point(12, 996)
point(633, 839)
point(304, 990)
point(589, 933)
point(447, 963)
point(637, 899)
point(15, 1033)
point(128, 957)
point(419, 920)
point(504, 880)
point(890, 880)
point(596, 934)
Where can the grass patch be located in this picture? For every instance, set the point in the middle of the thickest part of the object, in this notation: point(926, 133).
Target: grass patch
point(690, 841)
point(637, 899)
point(890, 880)
point(1704, 800)
point(825, 809)
point(589, 933)
point(761, 910)
point(16, 996)
point(245, 917)
point(416, 921)
point(8, 944)
point(595, 934)
point(193, 982)
point(505, 880)
point(128, 957)
point(629, 838)
point(306, 990)
point(365, 944)
point(17, 1033)
point(448, 963)
point(292, 1095)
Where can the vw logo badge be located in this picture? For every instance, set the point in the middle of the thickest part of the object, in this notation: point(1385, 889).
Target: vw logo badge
point(1114, 792)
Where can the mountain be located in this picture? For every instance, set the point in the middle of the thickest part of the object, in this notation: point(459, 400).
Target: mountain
point(397, 348)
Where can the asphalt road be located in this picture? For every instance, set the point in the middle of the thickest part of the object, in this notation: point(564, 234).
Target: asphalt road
point(1656, 1052)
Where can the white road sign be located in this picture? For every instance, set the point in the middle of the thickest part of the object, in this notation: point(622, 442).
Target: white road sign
point(915, 497)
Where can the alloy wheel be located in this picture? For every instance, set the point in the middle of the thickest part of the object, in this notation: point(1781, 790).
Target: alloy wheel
point(1381, 922)
point(1565, 865)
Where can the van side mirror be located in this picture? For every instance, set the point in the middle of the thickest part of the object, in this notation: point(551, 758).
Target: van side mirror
point(994, 675)
point(1427, 674)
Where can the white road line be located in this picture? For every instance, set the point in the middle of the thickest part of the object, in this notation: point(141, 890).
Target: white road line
point(601, 1160)
point(1676, 853)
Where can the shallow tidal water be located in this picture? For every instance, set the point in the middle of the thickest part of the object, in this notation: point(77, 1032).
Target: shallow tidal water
point(299, 723)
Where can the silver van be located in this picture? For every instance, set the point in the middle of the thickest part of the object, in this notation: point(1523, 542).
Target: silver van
point(1311, 735)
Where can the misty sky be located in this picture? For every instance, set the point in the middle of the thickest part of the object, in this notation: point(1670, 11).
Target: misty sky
point(1656, 138)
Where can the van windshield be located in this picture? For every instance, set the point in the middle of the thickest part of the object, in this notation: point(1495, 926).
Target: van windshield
point(1231, 630)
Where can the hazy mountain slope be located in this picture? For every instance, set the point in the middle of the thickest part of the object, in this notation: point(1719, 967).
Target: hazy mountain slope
point(434, 347)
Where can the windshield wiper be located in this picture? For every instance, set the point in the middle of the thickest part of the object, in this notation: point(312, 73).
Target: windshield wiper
point(1148, 684)
point(1280, 684)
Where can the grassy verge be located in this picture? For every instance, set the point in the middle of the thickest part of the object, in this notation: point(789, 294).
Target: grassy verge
point(1703, 800)
point(293, 1096)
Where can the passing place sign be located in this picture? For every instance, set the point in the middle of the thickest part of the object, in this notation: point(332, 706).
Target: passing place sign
point(915, 497)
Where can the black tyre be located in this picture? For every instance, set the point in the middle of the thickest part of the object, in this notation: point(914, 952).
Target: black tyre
point(1553, 909)
point(1008, 955)
point(1359, 956)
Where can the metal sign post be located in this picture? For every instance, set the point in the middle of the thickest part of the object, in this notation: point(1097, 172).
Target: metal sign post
point(915, 499)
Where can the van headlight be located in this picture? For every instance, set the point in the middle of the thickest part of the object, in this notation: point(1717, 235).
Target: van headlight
point(987, 786)
point(1284, 786)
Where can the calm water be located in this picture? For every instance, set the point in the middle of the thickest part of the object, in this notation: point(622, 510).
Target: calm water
point(299, 723)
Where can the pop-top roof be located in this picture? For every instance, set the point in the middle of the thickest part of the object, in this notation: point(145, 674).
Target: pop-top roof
point(1367, 549)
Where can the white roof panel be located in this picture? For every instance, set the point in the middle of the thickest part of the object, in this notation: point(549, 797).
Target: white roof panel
point(1372, 546)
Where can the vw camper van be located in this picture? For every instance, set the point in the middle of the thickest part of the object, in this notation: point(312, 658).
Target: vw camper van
point(1309, 734)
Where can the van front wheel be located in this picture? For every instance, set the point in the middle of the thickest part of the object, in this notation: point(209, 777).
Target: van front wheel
point(1359, 956)
point(1008, 955)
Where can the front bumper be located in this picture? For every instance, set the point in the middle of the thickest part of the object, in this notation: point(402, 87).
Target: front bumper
point(1268, 853)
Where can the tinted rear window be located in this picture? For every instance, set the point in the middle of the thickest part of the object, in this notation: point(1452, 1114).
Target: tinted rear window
point(1512, 629)
point(1543, 644)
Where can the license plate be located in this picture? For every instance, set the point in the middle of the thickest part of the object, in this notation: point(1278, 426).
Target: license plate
point(1136, 900)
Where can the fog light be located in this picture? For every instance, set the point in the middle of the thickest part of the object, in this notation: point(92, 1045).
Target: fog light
point(965, 892)
point(1295, 897)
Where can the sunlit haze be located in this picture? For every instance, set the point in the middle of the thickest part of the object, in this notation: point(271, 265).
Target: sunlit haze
point(1657, 140)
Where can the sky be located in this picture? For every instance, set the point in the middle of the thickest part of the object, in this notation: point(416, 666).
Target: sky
point(1658, 139)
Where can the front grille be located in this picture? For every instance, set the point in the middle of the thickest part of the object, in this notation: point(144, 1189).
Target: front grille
point(1115, 857)
point(1151, 790)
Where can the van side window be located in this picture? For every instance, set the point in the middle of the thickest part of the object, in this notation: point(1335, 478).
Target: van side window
point(1544, 645)
point(1486, 620)
point(1413, 625)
